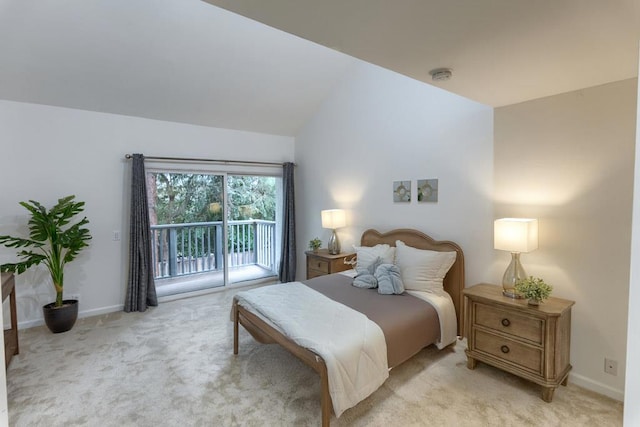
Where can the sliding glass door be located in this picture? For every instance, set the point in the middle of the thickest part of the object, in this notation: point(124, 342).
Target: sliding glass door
point(251, 227)
point(211, 229)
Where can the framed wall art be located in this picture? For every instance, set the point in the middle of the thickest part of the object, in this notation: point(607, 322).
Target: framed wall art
point(402, 191)
point(427, 191)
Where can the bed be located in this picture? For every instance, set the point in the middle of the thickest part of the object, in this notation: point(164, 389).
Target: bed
point(399, 347)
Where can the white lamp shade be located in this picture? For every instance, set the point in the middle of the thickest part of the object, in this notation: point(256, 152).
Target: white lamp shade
point(333, 218)
point(515, 234)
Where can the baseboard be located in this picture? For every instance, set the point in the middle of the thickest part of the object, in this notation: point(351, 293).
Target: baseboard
point(26, 324)
point(101, 310)
point(596, 386)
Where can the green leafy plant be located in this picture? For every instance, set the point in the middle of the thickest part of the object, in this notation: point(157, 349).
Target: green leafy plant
point(533, 288)
point(315, 243)
point(51, 241)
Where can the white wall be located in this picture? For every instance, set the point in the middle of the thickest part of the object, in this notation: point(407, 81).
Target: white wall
point(568, 160)
point(377, 127)
point(52, 152)
point(632, 385)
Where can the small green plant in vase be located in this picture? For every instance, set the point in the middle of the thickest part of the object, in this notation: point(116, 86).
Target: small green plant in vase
point(534, 289)
point(314, 244)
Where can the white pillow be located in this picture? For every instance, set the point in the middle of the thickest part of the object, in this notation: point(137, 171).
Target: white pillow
point(422, 270)
point(367, 255)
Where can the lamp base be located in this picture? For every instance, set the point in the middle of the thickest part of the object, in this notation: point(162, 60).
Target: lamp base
point(334, 244)
point(512, 275)
point(511, 294)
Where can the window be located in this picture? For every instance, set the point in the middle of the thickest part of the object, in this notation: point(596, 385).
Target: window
point(212, 229)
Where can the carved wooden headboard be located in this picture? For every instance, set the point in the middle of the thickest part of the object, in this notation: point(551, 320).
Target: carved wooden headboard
point(453, 281)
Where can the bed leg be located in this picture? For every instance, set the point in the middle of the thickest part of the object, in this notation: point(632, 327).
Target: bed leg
point(235, 327)
point(325, 398)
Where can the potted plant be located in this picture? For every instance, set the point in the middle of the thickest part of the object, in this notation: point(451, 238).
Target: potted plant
point(54, 242)
point(314, 244)
point(534, 289)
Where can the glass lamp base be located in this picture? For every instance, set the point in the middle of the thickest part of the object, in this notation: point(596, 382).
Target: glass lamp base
point(334, 244)
point(511, 293)
point(514, 273)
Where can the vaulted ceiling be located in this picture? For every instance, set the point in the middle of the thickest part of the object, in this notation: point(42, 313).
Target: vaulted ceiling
point(183, 61)
point(501, 51)
point(188, 61)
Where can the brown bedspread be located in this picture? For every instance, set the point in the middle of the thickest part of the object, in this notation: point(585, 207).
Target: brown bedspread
point(409, 324)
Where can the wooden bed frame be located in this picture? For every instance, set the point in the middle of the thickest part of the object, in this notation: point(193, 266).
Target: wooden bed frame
point(265, 334)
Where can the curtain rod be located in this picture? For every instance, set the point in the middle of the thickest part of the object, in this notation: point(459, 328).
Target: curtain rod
point(219, 162)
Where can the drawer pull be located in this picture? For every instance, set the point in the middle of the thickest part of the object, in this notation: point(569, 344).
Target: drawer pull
point(506, 322)
point(504, 349)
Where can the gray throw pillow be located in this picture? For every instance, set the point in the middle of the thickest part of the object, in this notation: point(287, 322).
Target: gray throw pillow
point(365, 277)
point(389, 279)
point(367, 281)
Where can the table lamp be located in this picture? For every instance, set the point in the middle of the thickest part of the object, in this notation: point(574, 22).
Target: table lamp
point(333, 218)
point(515, 235)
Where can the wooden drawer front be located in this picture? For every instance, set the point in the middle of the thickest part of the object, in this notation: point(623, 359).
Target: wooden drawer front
point(314, 273)
point(528, 328)
point(512, 351)
point(318, 264)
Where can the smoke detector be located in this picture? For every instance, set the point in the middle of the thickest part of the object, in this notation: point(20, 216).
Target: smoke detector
point(440, 74)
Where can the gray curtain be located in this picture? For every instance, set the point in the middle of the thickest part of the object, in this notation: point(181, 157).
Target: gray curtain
point(288, 257)
point(141, 289)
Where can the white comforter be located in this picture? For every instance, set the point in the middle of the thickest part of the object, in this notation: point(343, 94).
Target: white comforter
point(442, 302)
point(352, 346)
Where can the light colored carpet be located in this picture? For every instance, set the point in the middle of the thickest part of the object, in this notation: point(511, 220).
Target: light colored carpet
point(174, 366)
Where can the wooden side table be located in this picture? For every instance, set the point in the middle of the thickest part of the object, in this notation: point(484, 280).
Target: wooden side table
point(321, 263)
point(532, 342)
point(10, 335)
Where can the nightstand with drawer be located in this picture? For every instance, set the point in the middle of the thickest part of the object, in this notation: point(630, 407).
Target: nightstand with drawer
point(529, 341)
point(322, 262)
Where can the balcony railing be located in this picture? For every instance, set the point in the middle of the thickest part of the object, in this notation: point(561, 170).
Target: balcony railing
point(183, 249)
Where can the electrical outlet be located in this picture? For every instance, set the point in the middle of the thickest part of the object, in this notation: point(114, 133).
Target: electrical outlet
point(611, 366)
point(116, 235)
point(73, 296)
